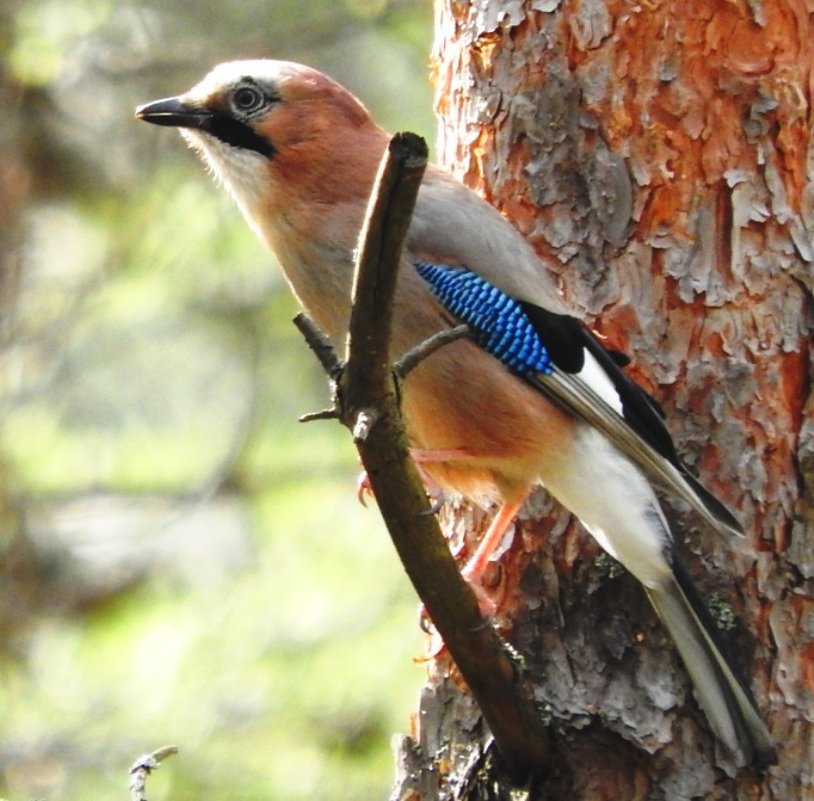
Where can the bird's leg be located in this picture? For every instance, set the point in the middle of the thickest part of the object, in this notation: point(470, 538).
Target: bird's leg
point(420, 456)
point(476, 565)
point(473, 572)
point(428, 455)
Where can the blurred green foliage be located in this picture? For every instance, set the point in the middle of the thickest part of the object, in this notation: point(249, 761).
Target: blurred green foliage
point(180, 560)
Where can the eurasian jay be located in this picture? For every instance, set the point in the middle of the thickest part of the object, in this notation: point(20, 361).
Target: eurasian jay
point(532, 397)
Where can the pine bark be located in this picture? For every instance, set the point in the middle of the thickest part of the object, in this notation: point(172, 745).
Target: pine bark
point(659, 156)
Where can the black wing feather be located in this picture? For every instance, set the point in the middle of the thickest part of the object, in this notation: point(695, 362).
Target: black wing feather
point(567, 339)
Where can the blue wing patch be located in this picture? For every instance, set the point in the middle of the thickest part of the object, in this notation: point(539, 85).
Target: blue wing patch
point(498, 322)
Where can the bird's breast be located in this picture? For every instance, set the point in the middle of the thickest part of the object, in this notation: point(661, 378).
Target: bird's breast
point(460, 399)
point(507, 437)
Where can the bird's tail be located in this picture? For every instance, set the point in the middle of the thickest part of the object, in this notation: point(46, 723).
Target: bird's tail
point(722, 695)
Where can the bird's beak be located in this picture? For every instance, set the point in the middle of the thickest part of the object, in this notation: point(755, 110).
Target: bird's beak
point(174, 112)
point(180, 112)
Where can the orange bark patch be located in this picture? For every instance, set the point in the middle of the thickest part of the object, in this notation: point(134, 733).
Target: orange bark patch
point(807, 666)
point(683, 72)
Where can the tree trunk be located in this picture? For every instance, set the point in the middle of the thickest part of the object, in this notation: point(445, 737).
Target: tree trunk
point(659, 156)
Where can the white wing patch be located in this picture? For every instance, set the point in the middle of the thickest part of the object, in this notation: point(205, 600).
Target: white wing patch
point(599, 381)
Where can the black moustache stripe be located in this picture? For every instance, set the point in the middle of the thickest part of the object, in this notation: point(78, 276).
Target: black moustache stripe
point(237, 134)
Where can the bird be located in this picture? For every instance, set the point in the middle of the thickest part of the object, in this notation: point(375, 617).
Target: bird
point(485, 417)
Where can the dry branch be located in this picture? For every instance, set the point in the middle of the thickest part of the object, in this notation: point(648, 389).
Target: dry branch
point(143, 767)
point(367, 386)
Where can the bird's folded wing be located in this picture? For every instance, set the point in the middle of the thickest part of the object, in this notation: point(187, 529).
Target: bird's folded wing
point(572, 394)
point(557, 355)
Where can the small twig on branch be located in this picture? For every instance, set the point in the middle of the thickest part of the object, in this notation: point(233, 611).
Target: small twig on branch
point(322, 414)
point(365, 420)
point(143, 767)
point(320, 345)
point(367, 382)
point(410, 360)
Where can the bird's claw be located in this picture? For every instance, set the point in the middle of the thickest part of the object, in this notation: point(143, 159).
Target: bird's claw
point(435, 645)
point(363, 488)
point(436, 502)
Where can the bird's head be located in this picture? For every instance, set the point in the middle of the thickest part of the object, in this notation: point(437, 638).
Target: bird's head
point(274, 131)
point(299, 154)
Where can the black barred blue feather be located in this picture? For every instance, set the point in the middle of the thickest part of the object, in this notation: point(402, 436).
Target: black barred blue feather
point(498, 322)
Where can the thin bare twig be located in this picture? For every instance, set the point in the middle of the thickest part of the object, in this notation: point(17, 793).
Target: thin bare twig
point(366, 419)
point(143, 767)
point(410, 360)
point(320, 345)
point(322, 414)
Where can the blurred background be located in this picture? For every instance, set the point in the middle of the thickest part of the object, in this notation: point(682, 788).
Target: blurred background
point(180, 560)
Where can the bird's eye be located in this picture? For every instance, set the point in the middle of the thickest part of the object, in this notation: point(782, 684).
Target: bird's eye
point(247, 98)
